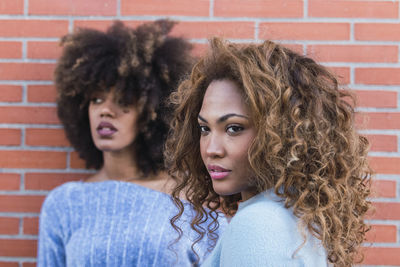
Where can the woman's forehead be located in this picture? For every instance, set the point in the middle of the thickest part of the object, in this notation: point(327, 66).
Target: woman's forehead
point(223, 97)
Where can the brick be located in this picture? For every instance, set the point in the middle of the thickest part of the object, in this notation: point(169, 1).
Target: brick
point(258, 8)
point(18, 203)
point(9, 181)
point(386, 211)
point(377, 31)
point(384, 188)
point(383, 142)
point(102, 25)
point(236, 30)
point(31, 225)
point(354, 53)
point(342, 74)
point(199, 50)
point(18, 248)
point(385, 165)
point(9, 226)
point(10, 49)
point(376, 98)
point(165, 7)
point(40, 115)
point(10, 93)
point(378, 120)
point(11, 7)
point(43, 50)
point(10, 137)
point(353, 9)
point(304, 31)
point(33, 159)
point(33, 28)
point(381, 256)
point(73, 7)
point(76, 162)
point(42, 93)
point(26, 71)
point(381, 76)
point(382, 234)
point(9, 264)
point(46, 137)
point(298, 48)
point(48, 181)
point(28, 264)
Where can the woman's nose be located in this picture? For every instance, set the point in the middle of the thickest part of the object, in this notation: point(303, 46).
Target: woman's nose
point(108, 108)
point(215, 146)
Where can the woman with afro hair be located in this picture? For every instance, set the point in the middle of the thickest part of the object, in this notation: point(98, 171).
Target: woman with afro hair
point(267, 135)
point(112, 88)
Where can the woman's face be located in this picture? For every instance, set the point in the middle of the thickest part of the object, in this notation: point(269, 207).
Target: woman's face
point(226, 134)
point(113, 127)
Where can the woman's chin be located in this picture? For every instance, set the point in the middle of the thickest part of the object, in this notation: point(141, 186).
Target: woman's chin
point(108, 148)
point(223, 191)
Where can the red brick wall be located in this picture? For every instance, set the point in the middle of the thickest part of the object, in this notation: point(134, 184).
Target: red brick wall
point(357, 39)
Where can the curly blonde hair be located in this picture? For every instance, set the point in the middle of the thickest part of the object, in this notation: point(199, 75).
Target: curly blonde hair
point(306, 147)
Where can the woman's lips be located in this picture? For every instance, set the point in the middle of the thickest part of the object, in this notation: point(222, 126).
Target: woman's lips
point(217, 172)
point(106, 129)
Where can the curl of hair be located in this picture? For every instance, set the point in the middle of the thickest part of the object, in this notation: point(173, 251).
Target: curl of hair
point(144, 65)
point(306, 147)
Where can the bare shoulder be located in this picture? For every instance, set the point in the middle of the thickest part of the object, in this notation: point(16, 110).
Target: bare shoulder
point(97, 177)
point(161, 182)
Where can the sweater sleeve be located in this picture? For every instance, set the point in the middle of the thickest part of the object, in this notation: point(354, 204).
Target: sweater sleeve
point(51, 250)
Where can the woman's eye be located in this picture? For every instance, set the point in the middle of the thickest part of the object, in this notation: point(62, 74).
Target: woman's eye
point(123, 104)
point(234, 129)
point(203, 129)
point(96, 100)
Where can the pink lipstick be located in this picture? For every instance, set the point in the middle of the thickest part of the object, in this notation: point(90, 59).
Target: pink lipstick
point(217, 172)
point(106, 129)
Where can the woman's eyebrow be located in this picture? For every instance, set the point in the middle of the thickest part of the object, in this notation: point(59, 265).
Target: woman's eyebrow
point(225, 117)
point(202, 119)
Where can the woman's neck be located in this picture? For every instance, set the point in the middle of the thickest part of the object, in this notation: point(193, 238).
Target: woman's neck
point(118, 165)
point(122, 166)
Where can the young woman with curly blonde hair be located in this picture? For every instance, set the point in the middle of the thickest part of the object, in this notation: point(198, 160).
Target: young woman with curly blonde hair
point(267, 135)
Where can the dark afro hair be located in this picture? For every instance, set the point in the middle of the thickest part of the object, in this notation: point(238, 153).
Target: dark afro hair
point(143, 65)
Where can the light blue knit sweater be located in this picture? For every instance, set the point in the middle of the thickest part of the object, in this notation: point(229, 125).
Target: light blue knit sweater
point(112, 224)
point(264, 233)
